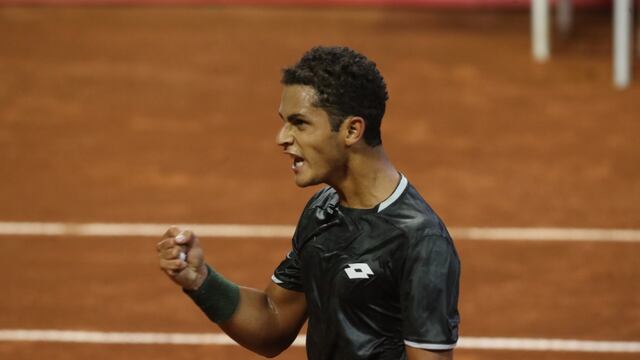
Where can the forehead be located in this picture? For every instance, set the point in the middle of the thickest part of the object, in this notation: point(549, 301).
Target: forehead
point(297, 99)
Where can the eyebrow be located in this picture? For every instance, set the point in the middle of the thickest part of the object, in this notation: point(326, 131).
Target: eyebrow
point(294, 116)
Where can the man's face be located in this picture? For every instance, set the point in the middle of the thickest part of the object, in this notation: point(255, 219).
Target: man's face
point(317, 153)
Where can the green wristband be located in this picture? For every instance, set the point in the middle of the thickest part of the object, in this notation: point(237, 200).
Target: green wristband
point(217, 297)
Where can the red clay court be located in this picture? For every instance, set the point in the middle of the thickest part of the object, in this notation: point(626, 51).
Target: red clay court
point(160, 115)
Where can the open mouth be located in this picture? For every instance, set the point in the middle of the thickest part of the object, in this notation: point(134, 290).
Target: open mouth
point(297, 162)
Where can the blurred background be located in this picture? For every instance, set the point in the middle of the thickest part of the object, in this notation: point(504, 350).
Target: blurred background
point(120, 117)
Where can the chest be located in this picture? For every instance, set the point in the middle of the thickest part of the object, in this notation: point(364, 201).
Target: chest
point(353, 266)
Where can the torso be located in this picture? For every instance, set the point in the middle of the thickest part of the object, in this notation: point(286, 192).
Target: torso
point(351, 262)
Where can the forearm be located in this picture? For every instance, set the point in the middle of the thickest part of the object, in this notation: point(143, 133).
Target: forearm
point(262, 321)
point(265, 322)
point(258, 325)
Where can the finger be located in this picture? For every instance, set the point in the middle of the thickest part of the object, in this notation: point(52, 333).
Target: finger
point(172, 231)
point(174, 264)
point(186, 237)
point(166, 244)
point(171, 253)
point(172, 272)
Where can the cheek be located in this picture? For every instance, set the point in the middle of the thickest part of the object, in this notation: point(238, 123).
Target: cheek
point(331, 156)
point(325, 153)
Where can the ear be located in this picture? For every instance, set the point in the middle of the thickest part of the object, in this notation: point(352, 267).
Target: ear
point(354, 130)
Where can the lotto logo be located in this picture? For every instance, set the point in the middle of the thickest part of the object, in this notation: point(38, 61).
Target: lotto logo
point(358, 271)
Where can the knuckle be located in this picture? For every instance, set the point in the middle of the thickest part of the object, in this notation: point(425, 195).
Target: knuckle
point(168, 254)
point(171, 231)
point(164, 244)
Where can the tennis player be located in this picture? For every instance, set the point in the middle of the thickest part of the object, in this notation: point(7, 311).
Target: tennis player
point(372, 267)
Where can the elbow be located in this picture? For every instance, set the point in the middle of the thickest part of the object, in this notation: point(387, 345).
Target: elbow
point(272, 350)
point(271, 354)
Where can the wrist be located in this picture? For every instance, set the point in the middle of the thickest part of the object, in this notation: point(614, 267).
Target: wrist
point(216, 296)
point(201, 276)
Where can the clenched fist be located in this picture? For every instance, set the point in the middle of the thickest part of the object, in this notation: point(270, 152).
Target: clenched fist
point(182, 258)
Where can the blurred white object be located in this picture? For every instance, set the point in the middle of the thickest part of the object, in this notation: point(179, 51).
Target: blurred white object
point(564, 16)
point(540, 29)
point(622, 29)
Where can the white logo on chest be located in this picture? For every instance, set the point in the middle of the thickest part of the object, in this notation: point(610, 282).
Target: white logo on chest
point(358, 271)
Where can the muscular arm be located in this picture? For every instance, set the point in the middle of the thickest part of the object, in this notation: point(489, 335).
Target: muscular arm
point(420, 354)
point(267, 322)
point(263, 321)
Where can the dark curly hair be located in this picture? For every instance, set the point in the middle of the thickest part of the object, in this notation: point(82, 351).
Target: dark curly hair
point(346, 83)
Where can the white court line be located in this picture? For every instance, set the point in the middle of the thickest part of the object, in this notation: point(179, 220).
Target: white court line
point(484, 343)
point(141, 229)
point(285, 231)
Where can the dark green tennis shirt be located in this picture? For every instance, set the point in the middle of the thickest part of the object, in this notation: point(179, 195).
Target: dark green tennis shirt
point(375, 279)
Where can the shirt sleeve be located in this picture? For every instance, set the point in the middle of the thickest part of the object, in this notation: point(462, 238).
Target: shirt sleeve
point(429, 293)
point(287, 274)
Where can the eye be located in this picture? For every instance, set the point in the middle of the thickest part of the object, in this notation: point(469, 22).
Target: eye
point(299, 123)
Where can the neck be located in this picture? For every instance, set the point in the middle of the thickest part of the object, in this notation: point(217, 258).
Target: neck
point(368, 180)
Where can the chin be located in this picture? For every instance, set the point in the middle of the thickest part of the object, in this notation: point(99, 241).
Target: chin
point(304, 182)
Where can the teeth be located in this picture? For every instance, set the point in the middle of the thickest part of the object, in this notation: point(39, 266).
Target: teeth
point(297, 161)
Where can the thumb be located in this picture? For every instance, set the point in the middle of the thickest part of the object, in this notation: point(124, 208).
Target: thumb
point(189, 242)
point(186, 238)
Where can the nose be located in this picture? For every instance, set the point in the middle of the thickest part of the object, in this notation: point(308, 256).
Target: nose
point(284, 138)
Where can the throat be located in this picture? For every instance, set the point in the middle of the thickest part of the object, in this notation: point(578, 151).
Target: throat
point(369, 193)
